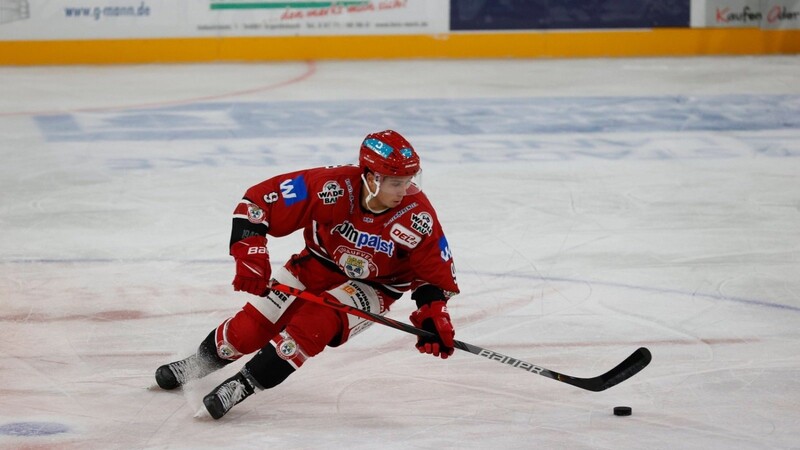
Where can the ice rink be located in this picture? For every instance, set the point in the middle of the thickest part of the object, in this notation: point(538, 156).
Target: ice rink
point(592, 206)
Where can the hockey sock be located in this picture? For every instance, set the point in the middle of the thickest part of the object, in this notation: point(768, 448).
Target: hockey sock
point(267, 368)
point(207, 353)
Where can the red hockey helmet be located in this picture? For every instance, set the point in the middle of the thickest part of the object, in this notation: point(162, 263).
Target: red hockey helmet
point(388, 153)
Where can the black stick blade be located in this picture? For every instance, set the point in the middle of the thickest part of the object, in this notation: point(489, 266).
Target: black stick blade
point(632, 365)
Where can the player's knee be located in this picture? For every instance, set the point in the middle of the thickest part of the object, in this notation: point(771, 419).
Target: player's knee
point(292, 350)
point(314, 327)
point(242, 334)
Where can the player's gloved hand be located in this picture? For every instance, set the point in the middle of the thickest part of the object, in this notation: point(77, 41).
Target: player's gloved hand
point(252, 265)
point(433, 317)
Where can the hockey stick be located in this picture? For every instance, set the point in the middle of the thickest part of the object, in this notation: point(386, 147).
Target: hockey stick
point(634, 363)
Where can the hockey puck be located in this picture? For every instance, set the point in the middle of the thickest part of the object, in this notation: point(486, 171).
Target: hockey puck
point(622, 411)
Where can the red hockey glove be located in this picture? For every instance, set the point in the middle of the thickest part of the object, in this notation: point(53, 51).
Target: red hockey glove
point(433, 317)
point(252, 265)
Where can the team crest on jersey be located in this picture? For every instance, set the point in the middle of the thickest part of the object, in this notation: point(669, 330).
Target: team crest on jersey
point(354, 267)
point(422, 223)
point(404, 236)
point(254, 213)
point(330, 192)
point(356, 264)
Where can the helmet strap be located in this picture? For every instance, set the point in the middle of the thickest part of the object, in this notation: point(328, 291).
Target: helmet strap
point(370, 194)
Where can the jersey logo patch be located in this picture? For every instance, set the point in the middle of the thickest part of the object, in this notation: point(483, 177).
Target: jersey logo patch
point(254, 213)
point(362, 239)
point(330, 192)
point(445, 249)
point(404, 236)
point(422, 223)
point(294, 190)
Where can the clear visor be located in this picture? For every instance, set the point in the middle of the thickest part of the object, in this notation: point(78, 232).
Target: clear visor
point(400, 185)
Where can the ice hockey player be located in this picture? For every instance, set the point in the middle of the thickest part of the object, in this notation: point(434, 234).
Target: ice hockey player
point(370, 235)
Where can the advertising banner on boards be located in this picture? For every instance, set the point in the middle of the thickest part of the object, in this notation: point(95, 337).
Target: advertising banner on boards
point(765, 14)
point(131, 19)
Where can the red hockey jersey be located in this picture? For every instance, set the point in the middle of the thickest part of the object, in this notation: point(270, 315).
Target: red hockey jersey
point(401, 248)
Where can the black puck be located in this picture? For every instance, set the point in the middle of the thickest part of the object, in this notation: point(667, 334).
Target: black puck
point(622, 411)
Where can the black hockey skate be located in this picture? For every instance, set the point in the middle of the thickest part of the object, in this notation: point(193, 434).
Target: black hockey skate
point(229, 393)
point(176, 374)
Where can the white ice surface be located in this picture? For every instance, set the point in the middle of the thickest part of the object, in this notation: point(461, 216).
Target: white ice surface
point(592, 206)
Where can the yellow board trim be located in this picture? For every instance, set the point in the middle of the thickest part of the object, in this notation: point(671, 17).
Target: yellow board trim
point(550, 44)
